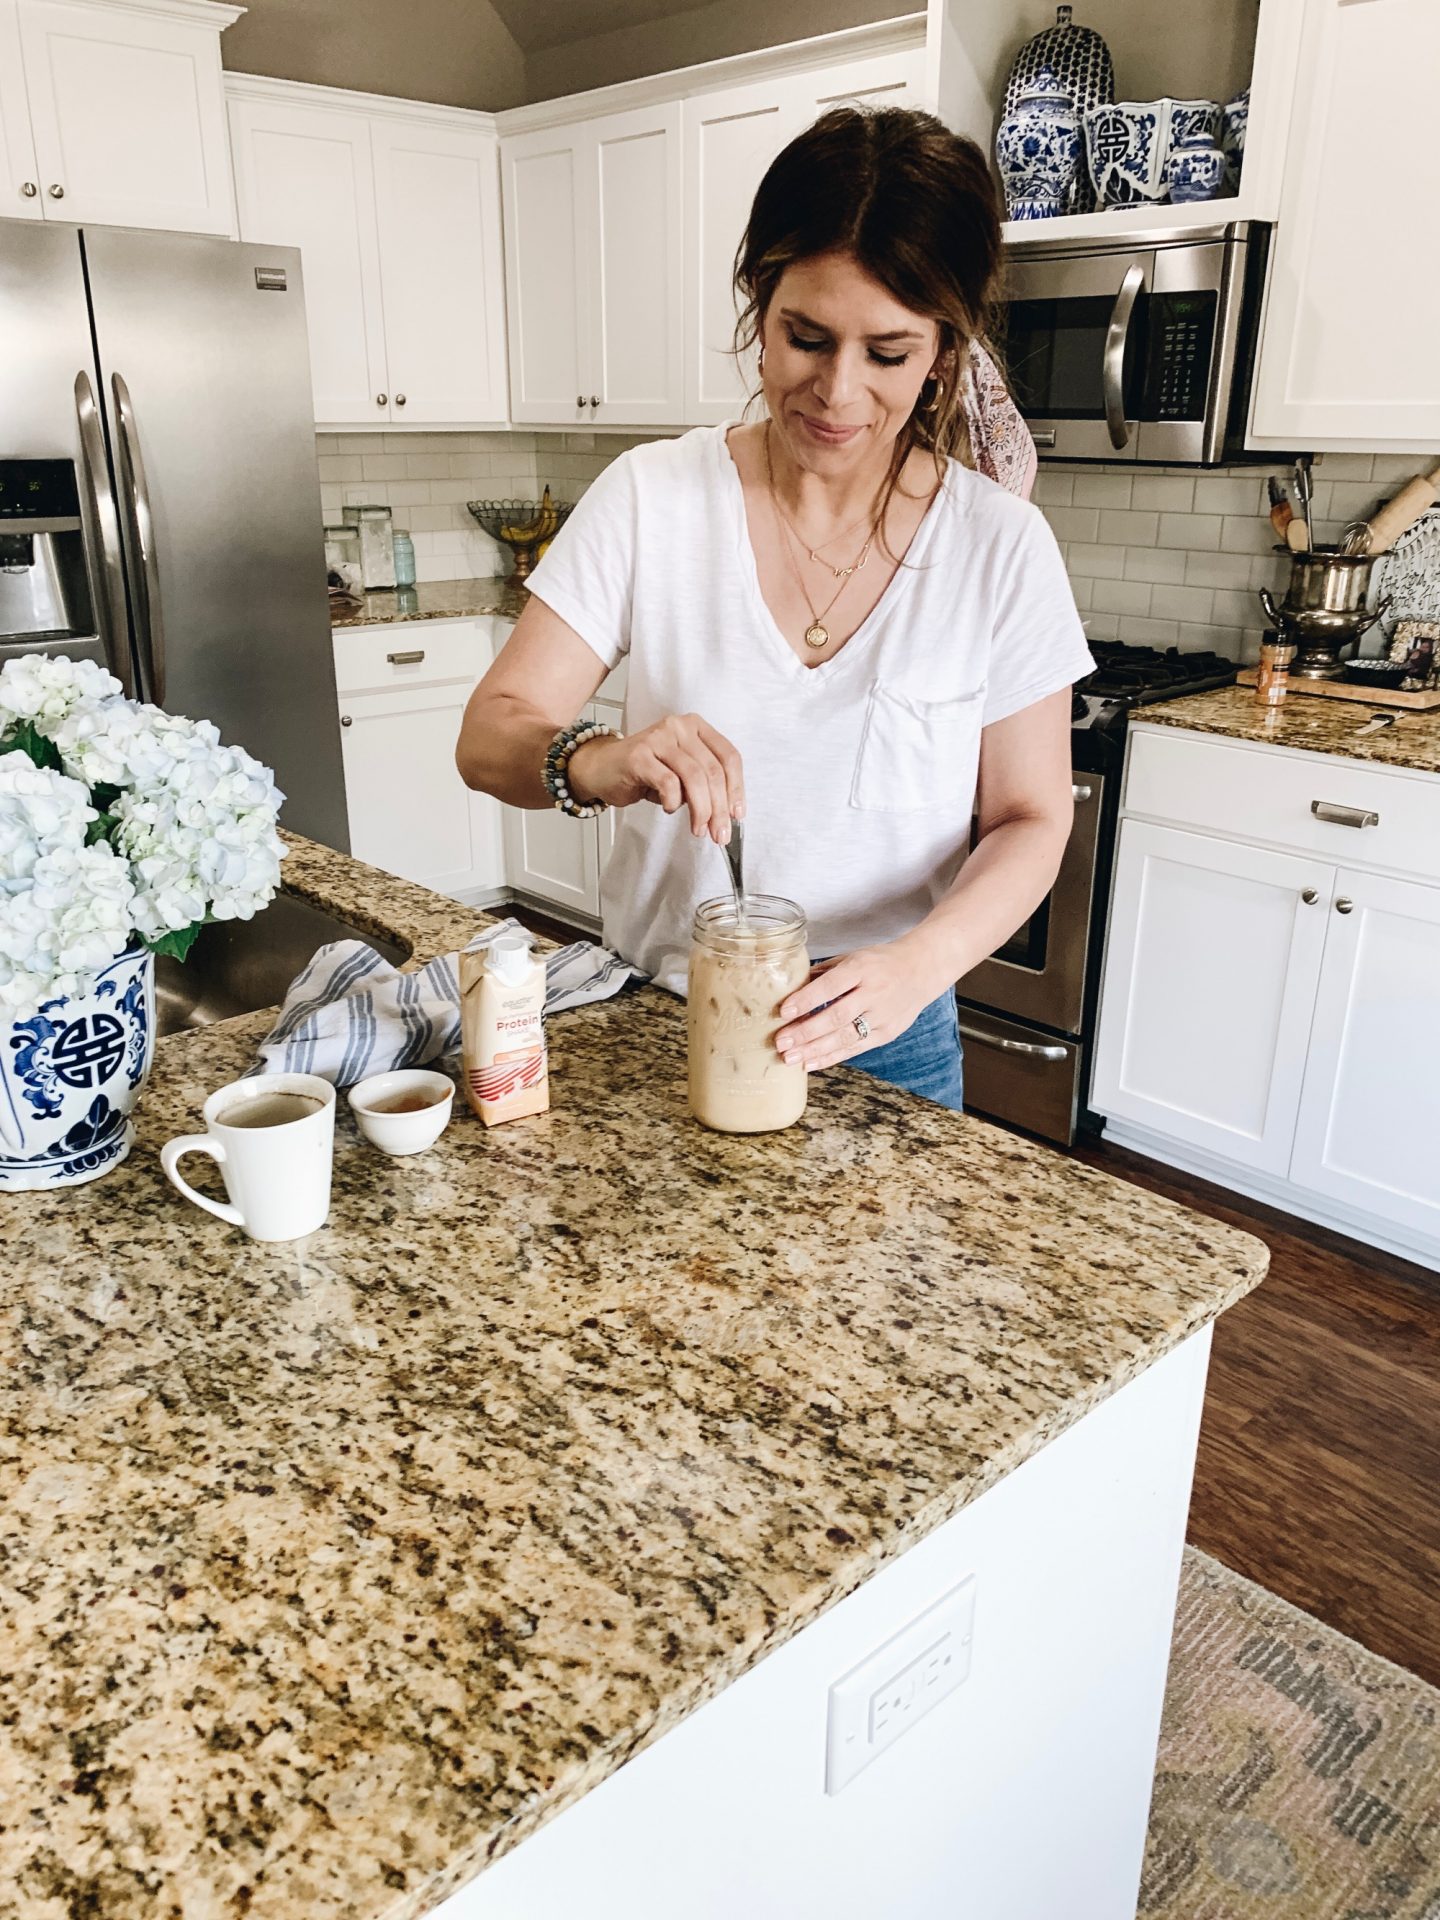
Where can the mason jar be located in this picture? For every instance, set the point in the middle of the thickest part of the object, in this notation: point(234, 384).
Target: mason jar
point(741, 971)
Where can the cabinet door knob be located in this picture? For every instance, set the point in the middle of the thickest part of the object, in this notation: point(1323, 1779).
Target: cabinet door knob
point(399, 399)
point(57, 192)
point(29, 189)
point(1344, 906)
point(594, 399)
point(346, 721)
point(579, 399)
point(382, 399)
point(1310, 895)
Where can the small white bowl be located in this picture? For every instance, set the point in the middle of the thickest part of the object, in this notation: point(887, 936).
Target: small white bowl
point(401, 1133)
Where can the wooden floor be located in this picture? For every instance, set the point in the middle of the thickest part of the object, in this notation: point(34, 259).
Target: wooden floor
point(1319, 1467)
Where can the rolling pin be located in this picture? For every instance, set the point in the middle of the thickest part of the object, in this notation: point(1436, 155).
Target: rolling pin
point(1397, 516)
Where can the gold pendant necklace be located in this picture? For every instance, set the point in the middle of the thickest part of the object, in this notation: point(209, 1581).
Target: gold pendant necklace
point(817, 634)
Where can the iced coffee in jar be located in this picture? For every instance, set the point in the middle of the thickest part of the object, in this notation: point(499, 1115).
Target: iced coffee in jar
point(742, 967)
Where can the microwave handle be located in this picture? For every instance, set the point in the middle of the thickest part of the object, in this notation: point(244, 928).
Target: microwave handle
point(1112, 365)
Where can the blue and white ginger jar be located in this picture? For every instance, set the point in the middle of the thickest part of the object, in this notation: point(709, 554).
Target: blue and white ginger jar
point(1195, 166)
point(1234, 121)
point(70, 1075)
point(1038, 150)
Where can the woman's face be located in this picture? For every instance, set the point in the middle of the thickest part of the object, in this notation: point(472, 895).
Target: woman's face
point(844, 363)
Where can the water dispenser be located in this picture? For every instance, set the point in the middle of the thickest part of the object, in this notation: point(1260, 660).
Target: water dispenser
point(44, 588)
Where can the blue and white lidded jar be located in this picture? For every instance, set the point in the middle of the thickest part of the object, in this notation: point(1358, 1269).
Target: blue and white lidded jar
point(1195, 165)
point(1038, 150)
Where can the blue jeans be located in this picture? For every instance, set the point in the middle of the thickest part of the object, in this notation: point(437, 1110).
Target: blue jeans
point(925, 1059)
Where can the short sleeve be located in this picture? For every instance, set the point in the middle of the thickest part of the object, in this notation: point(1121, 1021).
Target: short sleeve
point(1038, 644)
point(588, 574)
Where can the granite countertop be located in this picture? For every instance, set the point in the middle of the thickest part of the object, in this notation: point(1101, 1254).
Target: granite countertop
point(1305, 720)
point(330, 1571)
point(434, 600)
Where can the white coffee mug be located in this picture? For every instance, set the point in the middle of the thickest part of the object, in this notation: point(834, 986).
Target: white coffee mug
point(277, 1174)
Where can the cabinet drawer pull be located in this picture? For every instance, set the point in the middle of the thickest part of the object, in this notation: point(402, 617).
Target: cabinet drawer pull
point(411, 658)
point(1344, 906)
point(1012, 1046)
point(1339, 816)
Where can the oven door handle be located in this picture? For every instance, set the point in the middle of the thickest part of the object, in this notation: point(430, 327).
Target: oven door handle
point(1112, 362)
point(1001, 1045)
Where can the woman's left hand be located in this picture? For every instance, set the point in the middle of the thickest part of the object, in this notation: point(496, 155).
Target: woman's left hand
point(885, 986)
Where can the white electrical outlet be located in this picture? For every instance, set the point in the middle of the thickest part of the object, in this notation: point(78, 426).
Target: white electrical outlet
point(898, 1684)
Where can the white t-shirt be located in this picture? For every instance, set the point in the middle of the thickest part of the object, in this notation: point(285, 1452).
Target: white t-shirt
point(860, 773)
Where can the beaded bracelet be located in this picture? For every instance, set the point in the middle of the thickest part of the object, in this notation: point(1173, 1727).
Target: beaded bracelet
point(557, 767)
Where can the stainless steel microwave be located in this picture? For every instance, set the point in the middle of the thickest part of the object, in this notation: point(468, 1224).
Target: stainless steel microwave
point(1137, 349)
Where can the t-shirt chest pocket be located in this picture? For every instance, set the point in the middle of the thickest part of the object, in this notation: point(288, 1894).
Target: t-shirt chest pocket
point(918, 756)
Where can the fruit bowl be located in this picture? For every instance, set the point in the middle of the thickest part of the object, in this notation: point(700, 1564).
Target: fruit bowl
point(525, 526)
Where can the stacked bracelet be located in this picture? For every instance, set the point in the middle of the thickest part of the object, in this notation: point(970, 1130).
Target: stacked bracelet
point(556, 772)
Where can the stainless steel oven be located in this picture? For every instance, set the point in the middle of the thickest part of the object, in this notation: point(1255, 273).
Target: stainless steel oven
point(1137, 349)
point(1023, 1011)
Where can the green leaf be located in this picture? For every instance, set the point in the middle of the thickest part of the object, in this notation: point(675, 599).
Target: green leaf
point(178, 943)
point(100, 829)
point(103, 798)
point(25, 736)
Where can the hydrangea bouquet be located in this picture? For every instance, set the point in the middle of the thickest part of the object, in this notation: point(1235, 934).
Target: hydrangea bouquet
point(119, 825)
point(123, 830)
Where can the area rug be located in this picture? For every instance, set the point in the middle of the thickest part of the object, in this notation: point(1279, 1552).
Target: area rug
point(1298, 1776)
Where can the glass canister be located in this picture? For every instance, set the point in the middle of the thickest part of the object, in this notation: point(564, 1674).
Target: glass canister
point(342, 559)
point(741, 970)
point(404, 558)
point(377, 545)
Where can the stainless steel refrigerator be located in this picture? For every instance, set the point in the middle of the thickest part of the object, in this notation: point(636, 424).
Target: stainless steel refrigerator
point(159, 498)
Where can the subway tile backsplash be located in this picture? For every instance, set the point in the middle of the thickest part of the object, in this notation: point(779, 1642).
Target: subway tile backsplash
point(1160, 556)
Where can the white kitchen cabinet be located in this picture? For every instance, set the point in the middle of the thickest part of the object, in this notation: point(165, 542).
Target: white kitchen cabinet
point(1270, 1008)
point(20, 197)
point(730, 138)
point(554, 860)
point(1337, 369)
point(115, 113)
point(437, 197)
point(1210, 975)
point(403, 690)
point(303, 179)
point(396, 212)
point(593, 270)
point(1369, 1123)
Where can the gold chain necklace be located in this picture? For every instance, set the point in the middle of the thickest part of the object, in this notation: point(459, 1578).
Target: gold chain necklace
point(817, 634)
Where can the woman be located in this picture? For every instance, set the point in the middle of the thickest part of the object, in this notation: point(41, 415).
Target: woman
point(837, 631)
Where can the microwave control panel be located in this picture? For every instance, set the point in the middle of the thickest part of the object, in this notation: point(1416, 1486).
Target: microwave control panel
point(1181, 347)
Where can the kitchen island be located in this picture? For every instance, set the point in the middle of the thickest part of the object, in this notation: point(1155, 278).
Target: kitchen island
point(331, 1573)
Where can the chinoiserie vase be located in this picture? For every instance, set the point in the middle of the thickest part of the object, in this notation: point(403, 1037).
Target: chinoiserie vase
point(1126, 144)
point(1234, 120)
point(1080, 61)
point(1038, 150)
point(70, 1075)
point(1195, 166)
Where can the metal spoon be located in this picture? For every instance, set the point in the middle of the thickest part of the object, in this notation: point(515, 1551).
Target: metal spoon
point(734, 852)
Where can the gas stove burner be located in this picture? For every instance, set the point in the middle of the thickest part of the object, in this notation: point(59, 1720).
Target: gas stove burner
point(1138, 676)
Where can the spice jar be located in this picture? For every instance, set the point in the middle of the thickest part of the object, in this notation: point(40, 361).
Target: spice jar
point(741, 970)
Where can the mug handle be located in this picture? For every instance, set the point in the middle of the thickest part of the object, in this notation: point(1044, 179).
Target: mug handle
point(170, 1155)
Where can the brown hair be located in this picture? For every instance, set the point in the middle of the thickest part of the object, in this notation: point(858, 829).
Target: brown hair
point(915, 205)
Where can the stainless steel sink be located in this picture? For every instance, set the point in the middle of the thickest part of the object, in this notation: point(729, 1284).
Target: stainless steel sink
point(239, 966)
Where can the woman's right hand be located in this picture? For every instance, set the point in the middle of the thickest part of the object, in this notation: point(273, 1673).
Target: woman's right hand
point(679, 762)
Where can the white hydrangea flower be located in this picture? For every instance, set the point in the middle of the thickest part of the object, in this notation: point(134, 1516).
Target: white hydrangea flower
point(45, 690)
point(66, 910)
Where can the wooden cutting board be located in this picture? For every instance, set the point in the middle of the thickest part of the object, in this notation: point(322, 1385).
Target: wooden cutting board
point(1426, 702)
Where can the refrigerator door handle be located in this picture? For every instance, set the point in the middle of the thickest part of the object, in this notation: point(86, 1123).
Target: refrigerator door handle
point(150, 627)
point(103, 526)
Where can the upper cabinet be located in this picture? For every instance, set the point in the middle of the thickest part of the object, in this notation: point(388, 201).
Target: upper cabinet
point(396, 212)
point(1347, 352)
point(622, 222)
point(114, 114)
point(731, 136)
point(592, 270)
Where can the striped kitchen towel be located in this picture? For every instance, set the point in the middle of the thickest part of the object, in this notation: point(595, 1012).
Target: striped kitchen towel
point(351, 1013)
